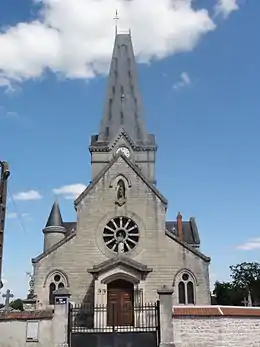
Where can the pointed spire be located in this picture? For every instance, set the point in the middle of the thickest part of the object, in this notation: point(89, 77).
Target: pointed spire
point(55, 222)
point(123, 104)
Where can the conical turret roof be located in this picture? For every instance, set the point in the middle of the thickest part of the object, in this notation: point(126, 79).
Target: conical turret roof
point(55, 222)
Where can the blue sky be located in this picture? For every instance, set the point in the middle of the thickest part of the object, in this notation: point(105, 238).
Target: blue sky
point(201, 98)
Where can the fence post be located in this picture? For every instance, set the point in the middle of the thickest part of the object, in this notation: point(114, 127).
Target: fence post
point(60, 318)
point(166, 322)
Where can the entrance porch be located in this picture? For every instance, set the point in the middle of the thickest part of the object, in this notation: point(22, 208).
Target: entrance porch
point(119, 287)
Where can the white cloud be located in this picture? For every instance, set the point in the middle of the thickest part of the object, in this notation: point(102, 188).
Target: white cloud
point(226, 7)
point(184, 81)
point(14, 215)
point(4, 114)
point(4, 82)
point(71, 191)
point(250, 245)
point(73, 38)
point(11, 215)
point(11, 115)
point(29, 195)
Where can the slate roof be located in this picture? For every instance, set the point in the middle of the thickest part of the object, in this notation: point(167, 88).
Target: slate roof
point(189, 230)
point(123, 104)
point(55, 218)
point(190, 234)
point(70, 227)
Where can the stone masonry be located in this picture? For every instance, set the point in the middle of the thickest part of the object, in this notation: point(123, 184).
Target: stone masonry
point(123, 151)
point(163, 254)
point(202, 326)
point(216, 327)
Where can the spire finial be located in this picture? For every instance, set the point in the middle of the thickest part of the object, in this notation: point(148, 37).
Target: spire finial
point(116, 19)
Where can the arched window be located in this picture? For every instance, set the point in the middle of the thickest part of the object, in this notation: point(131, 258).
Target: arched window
point(51, 291)
point(190, 293)
point(186, 293)
point(57, 281)
point(61, 285)
point(181, 288)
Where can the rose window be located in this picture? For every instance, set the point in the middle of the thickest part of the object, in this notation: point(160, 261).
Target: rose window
point(121, 235)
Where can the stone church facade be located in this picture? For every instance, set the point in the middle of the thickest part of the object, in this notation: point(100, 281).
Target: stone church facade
point(121, 249)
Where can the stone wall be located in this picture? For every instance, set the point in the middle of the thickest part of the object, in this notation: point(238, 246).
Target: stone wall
point(20, 329)
point(36, 328)
point(204, 326)
point(216, 326)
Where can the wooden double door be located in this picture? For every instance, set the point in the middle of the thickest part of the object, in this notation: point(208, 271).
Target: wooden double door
point(120, 303)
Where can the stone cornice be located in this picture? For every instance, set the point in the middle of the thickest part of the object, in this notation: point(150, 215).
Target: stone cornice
point(112, 144)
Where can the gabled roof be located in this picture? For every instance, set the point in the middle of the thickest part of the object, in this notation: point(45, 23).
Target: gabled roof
point(187, 246)
point(54, 247)
point(121, 134)
point(106, 168)
point(119, 260)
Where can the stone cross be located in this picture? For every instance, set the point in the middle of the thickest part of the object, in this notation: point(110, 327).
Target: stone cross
point(245, 302)
point(7, 296)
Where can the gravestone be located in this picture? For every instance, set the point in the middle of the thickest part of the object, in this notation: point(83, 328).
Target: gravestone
point(7, 296)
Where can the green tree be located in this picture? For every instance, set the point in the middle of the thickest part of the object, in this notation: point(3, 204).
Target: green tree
point(226, 293)
point(17, 304)
point(246, 277)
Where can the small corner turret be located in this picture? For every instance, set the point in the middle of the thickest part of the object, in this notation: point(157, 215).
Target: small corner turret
point(54, 230)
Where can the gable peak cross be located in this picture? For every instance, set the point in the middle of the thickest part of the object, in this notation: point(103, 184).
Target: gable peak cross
point(7, 296)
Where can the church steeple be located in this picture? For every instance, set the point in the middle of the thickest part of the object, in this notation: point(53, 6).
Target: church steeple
point(122, 122)
point(123, 105)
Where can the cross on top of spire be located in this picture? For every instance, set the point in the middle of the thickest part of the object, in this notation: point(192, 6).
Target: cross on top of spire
point(116, 19)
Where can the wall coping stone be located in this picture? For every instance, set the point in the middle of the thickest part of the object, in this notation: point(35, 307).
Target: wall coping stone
point(215, 311)
point(26, 315)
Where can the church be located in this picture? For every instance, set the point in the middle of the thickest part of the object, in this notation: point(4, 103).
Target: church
point(121, 248)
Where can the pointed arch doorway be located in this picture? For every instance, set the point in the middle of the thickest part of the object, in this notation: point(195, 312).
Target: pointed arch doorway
point(120, 303)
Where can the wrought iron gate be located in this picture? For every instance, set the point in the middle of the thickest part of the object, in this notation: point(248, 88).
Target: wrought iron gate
point(102, 326)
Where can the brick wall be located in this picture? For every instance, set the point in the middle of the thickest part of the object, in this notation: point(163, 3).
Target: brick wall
point(216, 327)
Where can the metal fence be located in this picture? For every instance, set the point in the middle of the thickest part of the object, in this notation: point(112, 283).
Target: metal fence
point(127, 318)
